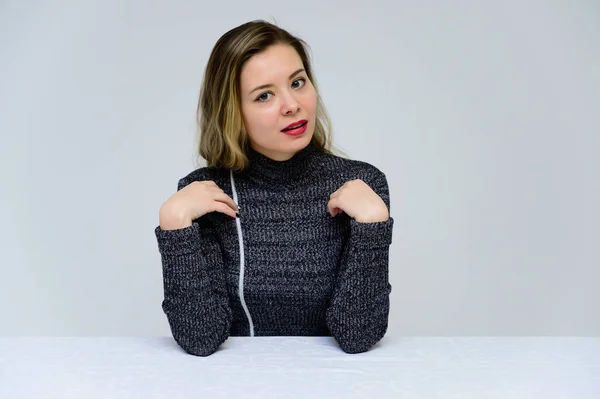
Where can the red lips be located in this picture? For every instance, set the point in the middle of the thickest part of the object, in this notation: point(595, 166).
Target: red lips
point(295, 124)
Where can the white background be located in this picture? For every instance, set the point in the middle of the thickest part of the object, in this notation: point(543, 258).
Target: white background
point(485, 116)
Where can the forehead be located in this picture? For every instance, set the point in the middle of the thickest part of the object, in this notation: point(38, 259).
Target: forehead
point(272, 65)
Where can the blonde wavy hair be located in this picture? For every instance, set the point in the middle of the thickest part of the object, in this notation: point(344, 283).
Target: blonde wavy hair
point(223, 138)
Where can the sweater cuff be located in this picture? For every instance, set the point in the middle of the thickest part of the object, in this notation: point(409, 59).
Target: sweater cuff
point(372, 235)
point(180, 241)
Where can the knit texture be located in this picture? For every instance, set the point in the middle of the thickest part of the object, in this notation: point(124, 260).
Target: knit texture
point(305, 272)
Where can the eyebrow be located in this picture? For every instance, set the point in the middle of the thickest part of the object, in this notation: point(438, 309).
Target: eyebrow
point(270, 84)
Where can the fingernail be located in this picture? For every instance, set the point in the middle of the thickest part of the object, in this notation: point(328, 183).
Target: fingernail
point(237, 214)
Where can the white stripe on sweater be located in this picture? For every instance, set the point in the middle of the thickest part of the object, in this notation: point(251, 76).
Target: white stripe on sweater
point(242, 264)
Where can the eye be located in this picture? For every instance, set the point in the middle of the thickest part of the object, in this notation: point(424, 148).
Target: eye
point(262, 98)
point(298, 80)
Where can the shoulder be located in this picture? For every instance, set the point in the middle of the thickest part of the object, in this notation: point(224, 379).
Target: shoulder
point(338, 170)
point(203, 174)
point(351, 169)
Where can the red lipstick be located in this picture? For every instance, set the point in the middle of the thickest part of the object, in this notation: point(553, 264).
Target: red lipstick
point(295, 124)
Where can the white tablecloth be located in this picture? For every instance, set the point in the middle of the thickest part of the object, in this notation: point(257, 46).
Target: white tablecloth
point(300, 367)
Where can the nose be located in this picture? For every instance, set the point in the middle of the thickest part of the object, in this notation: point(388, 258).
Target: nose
point(290, 105)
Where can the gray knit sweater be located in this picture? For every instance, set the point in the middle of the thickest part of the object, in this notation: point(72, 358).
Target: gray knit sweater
point(285, 266)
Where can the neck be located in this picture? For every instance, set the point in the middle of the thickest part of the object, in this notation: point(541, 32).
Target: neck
point(272, 171)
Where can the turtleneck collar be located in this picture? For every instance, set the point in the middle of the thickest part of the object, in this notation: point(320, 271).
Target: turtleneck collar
point(265, 168)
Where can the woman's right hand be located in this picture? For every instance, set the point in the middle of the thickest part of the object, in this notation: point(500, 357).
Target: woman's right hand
point(193, 201)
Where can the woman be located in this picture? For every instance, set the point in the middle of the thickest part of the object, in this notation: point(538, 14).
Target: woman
point(277, 235)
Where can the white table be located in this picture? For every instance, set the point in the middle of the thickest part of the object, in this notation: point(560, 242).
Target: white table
point(300, 367)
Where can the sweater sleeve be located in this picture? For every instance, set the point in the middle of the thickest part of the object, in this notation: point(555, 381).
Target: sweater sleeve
point(195, 302)
point(357, 316)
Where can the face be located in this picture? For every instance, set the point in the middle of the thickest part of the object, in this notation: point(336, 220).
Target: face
point(276, 92)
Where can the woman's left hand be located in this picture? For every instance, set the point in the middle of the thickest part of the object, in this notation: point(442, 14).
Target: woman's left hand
point(359, 201)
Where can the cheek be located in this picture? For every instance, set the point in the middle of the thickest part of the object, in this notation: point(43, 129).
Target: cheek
point(315, 100)
point(310, 102)
point(259, 117)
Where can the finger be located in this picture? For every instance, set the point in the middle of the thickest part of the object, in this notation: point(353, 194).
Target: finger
point(226, 199)
point(209, 185)
point(335, 194)
point(332, 207)
point(223, 208)
point(219, 194)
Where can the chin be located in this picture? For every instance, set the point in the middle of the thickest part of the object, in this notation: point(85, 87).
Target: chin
point(302, 142)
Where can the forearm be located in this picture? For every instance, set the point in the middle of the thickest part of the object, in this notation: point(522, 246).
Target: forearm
point(195, 295)
point(358, 314)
